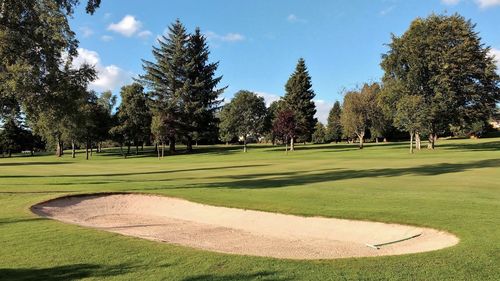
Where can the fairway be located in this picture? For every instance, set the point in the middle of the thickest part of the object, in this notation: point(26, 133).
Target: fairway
point(454, 188)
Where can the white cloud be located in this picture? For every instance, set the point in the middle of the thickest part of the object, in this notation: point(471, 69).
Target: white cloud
point(106, 38)
point(495, 53)
point(450, 2)
point(483, 4)
point(229, 37)
point(145, 34)
point(269, 98)
point(388, 10)
point(86, 31)
point(128, 26)
point(292, 18)
point(322, 110)
point(110, 77)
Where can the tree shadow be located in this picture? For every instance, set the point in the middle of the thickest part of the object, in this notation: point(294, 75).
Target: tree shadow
point(485, 146)
point(12, 164)
point(7, 221)
point(137, 173)
point(62, 273)
point(297, 178)
point(263, 275)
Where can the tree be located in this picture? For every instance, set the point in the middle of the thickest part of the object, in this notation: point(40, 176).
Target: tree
point(244, 116)
point(272, 113)
point(299, 98)
point(319, 135)
point(285, 127)
point(200, 98)
point(359, 111)
point(334, 126)
point(10, 136)
point(166, 79)
point(35, 40)
point(134, 117)
point(441, 58)
point(411, 116)
point(56, 117)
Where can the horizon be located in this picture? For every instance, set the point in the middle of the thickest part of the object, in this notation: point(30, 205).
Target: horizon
point(249, 39)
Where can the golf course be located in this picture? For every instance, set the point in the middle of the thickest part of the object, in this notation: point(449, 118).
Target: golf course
point(454, 188)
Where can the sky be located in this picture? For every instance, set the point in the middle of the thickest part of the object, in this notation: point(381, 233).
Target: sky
point(258, 42)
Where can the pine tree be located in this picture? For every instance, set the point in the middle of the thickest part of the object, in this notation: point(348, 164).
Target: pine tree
point(166, 78)
point(334, 126)
point(200, 98)
point(299, 98)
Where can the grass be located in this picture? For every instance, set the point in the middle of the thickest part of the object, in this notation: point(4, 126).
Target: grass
point(455, 188)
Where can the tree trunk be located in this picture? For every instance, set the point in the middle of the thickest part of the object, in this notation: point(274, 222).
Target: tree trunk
point(411, 142)
point(59, 148)
point(286, 145)
point(227, 143)
point(189, 144)
point(157, 150)
point(9, 153)
point(162, 150)
point(196, 144)
point(292, 144)
point(87, 150)
point(171, 142)
point(128, 148)
point(432, 140)
point(385, 139)
point(121, 150)
point(91, 149)
point(244, 144)
point(361, 141)
point(73, 150)
point(136, 149)
point(417, 141)
point(376, 139)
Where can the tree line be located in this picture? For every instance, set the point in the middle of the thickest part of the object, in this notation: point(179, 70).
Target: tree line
point(438, 79)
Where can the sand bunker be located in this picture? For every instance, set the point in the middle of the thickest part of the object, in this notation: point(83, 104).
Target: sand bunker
point(237, 231)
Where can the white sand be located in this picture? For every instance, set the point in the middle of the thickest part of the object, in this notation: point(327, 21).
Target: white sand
point(237, 231)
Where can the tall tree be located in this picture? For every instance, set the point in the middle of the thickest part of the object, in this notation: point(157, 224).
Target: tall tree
point(244, 116)
point(134, 117)
point(334, 126)
point(35, 40)
point(299, 98)
point(359, 111)
point(442, 59)
point(200, 98)
point(166, 79)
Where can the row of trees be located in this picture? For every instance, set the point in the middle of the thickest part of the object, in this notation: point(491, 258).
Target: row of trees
point(289, 119)
point(438, 78)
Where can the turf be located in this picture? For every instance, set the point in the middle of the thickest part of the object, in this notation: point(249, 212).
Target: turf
point(454, 188)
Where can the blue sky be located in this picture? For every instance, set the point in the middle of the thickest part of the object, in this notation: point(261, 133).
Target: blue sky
point(258, 42)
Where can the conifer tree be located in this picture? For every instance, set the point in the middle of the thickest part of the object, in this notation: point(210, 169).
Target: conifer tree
point(334, 126)
point(299, 98)
point(166, 79)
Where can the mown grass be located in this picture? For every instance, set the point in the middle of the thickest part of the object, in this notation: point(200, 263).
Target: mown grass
point(455, 188)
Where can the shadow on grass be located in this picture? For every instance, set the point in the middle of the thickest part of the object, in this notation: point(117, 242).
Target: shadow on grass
point(12, 164)
point(486, 146)
point(264, 275)
point(65, 272)
point(297, 178)
point(12, 221)
point(135, 174)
